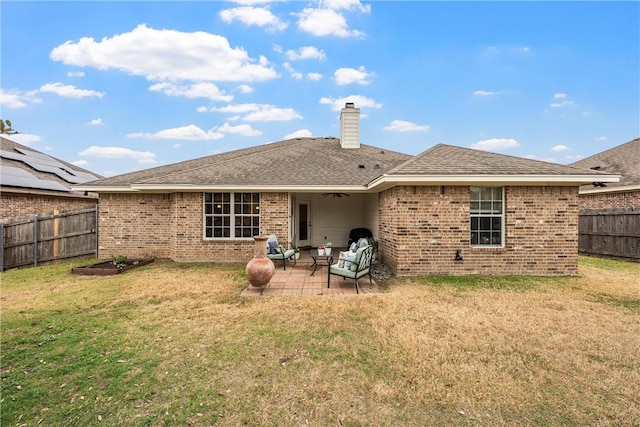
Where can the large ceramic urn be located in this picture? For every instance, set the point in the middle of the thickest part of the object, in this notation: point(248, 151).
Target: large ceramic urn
point(260, 269)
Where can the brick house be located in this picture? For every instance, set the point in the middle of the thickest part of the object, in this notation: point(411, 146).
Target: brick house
point(623, 160)
point(32, 182)
point(502, 214)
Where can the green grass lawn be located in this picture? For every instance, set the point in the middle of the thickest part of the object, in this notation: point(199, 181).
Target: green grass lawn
point(175, 344)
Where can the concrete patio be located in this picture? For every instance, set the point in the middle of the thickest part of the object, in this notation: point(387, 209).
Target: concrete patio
point(297, 280)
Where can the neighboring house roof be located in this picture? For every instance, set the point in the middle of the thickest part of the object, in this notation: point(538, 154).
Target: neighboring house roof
point(25, 170)
point(321, 164)
point(623, 160)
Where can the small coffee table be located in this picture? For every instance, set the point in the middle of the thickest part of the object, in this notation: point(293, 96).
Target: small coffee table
point(316, 257)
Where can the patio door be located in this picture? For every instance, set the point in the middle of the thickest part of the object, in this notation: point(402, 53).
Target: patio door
point(303, 224)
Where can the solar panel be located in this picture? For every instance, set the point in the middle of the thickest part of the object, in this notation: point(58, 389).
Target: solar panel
point(43, 163)
point(16, 177)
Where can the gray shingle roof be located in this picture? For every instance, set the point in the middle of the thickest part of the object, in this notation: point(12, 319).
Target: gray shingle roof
point(623, 159)
point(444, 159)
point(314, 162)
point(299, 161)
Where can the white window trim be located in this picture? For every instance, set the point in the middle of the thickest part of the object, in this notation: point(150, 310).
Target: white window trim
point(232, 216)
point(502, 222)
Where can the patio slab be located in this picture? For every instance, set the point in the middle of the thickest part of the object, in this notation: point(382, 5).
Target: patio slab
point(297, 280)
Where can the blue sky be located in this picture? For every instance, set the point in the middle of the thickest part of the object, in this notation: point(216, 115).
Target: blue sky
point(121, 86)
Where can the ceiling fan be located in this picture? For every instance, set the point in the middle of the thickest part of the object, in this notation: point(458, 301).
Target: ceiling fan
point(338, 195)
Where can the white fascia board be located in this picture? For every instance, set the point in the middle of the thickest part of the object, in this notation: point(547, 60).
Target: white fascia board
point(490, 179)
point(103, 189)
point(260, 188)
point(620, 189)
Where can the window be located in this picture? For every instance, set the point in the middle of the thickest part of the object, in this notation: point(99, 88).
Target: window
point(231, 215)
point(487, 216)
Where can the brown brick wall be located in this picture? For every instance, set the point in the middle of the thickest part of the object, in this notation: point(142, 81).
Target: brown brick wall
point(13, 205)
point(619, 200)
point(171, 226)
point(422, 227)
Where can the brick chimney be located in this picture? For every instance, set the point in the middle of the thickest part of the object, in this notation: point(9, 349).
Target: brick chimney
point(350, 126)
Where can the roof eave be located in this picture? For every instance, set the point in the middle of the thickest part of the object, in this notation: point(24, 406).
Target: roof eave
point(386, 181)
point(619, 189)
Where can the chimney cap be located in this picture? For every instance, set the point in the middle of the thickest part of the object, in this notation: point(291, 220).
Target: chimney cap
point(349, 105)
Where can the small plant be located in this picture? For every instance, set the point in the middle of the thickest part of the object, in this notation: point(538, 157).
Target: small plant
point(328, 245)
point(120, 261)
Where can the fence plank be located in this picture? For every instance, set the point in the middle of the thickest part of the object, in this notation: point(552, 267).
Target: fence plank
point(49, 237)
point(610, 232)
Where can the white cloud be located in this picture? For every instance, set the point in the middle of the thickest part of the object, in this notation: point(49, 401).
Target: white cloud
point(558, 148)
point(272, 114)
point(306, 52)
point(484, 93)
point(302, 133)
point(245, 89)
point(75, 74)
point(244, 130)
point(314, 76)
point(328, 21)
point(574, 157)
point(15, 99)
point(561, 101)
point(80, 163)
point(562, 104)
point(360, 102)
point(295, 74)
point(600, 138)
point(23, 138)
point(495, 144)
point(258, 16)
point(165, 55)
point(189, 132)
point(258, 112)
point(404, 126)
point(96, 122)
point(197, 90)
point(119, 153)
point(345, 76)
point(69, 91)
point(346, 5)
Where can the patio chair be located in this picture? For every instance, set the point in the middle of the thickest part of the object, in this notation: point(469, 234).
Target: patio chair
point(276, 251)
point(353, 265)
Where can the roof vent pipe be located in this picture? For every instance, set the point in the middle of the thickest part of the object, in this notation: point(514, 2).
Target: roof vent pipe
point(350, 126)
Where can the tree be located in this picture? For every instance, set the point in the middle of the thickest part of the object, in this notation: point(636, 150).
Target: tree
point(5, 127)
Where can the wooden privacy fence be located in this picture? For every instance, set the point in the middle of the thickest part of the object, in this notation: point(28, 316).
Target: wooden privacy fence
point(35, 239)
point(610, 232)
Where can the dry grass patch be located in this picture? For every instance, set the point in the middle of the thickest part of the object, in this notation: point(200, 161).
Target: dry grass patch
point(175, 344)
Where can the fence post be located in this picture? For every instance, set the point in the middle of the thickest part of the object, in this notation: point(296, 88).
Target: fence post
point(35, 240)
point(97, 230)
point(1, 246)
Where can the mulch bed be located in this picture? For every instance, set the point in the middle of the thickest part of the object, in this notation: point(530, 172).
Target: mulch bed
point(108, 268)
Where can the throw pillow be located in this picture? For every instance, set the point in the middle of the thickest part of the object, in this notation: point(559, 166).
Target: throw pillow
point(342, 258)
point(273, 247)
point(353, 247)
point(350, 261)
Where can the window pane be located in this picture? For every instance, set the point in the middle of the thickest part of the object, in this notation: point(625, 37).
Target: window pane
point(497, 193)
point(475, 193)
point(474, 223)
point(485, 207)
point(474, 238)
point(485, 193)
point(496, 223)
point(475, 207)
point(497, 208)
point(208, 197)
point(485, 223)
point(485, 238)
